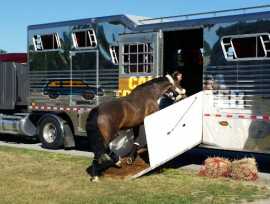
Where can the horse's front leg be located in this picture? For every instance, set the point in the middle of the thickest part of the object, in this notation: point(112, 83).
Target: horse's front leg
point(115, 158)
point(136, 146)
point(140, 139)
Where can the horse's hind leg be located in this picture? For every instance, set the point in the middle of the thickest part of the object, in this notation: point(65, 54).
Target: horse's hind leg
point(96, 142)
point(93, 171)
point(99, 151)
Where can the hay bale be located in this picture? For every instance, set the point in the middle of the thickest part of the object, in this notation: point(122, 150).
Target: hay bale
point(216, 167)
point(245, 169)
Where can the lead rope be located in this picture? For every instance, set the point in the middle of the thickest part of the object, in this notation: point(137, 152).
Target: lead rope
point(168, 133)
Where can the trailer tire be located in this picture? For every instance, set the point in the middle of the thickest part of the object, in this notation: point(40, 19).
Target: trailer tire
point(53, 95)
point(51, 132)
point(88, 95)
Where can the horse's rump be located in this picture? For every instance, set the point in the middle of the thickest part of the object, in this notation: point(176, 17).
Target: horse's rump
point(96, 141)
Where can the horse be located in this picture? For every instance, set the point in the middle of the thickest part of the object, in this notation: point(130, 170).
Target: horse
point(105, 120)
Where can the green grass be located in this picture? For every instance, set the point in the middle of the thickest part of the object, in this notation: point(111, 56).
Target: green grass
point(28, 176)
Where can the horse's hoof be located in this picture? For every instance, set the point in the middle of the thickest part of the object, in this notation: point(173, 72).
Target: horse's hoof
point(130, 161)
point(118, 164)
point(94, 179)
point(89, 170)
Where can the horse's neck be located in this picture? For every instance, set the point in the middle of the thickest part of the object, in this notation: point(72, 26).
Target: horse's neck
point(155, 91)
point(164, 89)
point(140, 94)
point(158, 90)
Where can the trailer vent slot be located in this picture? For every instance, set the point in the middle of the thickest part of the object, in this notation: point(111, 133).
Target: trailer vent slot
point(46, 42)
point(84, 39)
point(246, 47)
point(114, 51)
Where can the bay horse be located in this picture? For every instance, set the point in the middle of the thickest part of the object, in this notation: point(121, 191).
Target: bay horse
point(105, 120)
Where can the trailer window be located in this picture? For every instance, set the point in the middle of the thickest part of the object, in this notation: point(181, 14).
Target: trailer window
point(137, 58)
point(246, 47)
point(47, 42)
point(114, 51)
point(84, 39)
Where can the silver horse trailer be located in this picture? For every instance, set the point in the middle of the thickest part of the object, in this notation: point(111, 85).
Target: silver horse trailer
point(75, 65)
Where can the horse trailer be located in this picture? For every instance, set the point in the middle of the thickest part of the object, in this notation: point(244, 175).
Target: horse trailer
point(75, 65)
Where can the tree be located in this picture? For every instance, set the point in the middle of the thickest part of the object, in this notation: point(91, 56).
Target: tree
point(2, 51)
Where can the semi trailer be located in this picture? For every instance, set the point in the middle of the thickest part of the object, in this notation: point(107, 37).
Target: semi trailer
point(75, 65)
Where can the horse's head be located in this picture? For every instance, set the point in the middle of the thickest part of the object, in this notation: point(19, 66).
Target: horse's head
point(158, 87)
point(171, 85)
point(163, 85)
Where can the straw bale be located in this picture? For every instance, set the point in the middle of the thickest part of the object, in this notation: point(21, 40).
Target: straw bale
point(216, 167)
point(245, 169)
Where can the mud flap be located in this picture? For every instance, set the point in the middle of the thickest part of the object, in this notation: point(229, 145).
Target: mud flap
point(69, 141)
point(173, 131)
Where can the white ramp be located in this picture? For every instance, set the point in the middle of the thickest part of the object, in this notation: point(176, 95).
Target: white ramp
point(173, 130)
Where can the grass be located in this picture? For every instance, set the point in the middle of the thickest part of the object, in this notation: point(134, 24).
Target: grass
point(28, 176)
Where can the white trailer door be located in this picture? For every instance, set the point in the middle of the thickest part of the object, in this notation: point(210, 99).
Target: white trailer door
point(173, 131)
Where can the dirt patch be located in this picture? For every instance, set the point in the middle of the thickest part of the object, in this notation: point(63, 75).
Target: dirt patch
point(127, 170)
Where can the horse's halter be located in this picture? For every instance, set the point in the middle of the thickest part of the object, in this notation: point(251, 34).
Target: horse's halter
point(172, 82)
point(170, 79)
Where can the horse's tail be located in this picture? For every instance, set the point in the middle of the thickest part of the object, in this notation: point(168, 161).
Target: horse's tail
point(94, 135)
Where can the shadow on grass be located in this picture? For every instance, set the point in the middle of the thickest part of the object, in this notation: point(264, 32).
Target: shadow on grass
point(81, 142)
point(199, 154)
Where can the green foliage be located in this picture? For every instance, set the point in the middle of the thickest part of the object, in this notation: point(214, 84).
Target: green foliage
point(2, 51)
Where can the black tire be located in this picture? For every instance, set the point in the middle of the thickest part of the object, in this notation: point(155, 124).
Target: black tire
point(51, 132)
point(53, 95)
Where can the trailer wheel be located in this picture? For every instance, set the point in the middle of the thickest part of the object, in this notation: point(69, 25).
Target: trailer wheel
point(88, 95)
point(53, 95)
point(51, 132)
